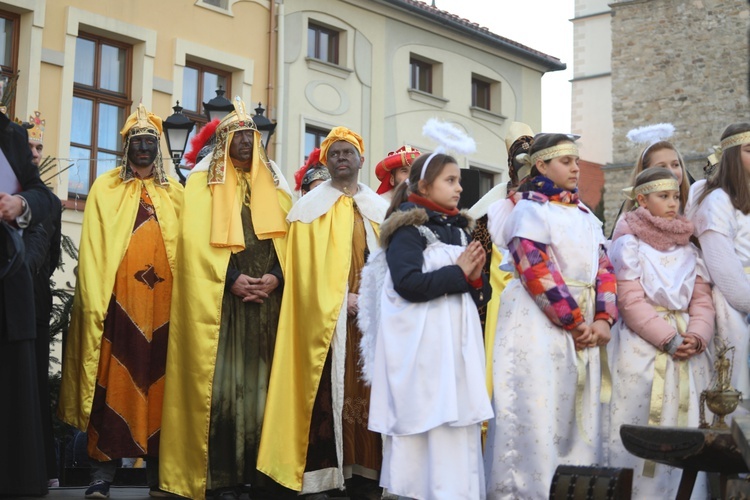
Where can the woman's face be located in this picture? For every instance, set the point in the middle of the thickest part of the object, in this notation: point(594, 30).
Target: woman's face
point(667, 158)
point(563, 171)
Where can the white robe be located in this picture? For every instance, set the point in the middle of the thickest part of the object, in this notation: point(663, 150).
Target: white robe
point(535, 365)
point(428, 395)
point(668, 278)
point(716, 213)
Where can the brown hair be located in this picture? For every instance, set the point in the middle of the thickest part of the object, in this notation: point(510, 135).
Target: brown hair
point(644, 163)
point(730, 174)
point(402, 191)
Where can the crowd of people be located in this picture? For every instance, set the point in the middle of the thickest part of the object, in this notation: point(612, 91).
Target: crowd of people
point(353, 343)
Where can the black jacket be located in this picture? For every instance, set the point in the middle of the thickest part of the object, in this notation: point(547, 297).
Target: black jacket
point(17, 317)
point(404, 253)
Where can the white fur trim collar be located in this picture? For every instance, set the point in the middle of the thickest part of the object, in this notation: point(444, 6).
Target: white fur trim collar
point(320, 200)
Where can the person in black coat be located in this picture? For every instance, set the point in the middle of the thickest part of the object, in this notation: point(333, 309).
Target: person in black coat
point(24, 202)
point(42, 245)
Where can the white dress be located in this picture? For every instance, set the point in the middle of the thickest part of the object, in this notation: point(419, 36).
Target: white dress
point(717, 214)
point(428, 395)
point(668, 278)
point(542, 418)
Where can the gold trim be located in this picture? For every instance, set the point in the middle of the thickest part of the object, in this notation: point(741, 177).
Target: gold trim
point(656, 186)
point(566, 149)
point(735, 140)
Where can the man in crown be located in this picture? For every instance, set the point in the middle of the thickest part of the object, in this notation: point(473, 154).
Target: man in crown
point(24, 202)
point(315, 434)
point(225, 310)
point(42, 243)
point(394, 169)
point(115, 353)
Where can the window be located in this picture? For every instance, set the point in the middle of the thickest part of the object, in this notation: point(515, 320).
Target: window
point(9, 50)
point(222, 4)
point(480, 93)
point(314, 136)
point(486, 180)
point(421, 75)
point(323, 43)
point(199, 85)
point(101, 100)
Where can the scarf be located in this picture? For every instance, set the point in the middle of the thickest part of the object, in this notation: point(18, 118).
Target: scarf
point(658, 232)
point(431, 205)
point(541, 189)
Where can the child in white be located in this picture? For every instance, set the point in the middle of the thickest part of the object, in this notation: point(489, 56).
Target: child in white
point(720, 209)
point(660, 362)
point(424, 354)
point(553, 323)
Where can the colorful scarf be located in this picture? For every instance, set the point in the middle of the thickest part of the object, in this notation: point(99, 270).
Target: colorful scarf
point(541, 189)
point(431, 205)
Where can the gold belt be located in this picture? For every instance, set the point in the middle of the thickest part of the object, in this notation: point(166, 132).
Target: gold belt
point(657, 387)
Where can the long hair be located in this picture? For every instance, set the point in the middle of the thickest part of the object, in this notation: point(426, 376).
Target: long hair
point(645, 159)
point(539, 142)
point(402, 191)
point(730, 174)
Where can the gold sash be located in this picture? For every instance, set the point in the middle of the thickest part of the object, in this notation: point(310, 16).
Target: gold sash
point(657, 387)
point(605, 391)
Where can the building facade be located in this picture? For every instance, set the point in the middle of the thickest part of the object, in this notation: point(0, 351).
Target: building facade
point(380, 67)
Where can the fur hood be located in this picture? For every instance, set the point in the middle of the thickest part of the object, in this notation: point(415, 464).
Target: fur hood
point(414, 216)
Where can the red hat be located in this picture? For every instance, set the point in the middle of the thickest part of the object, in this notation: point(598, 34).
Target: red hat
point(402, 157)
point(312, 161)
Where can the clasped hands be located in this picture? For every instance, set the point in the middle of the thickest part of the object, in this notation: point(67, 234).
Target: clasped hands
point(471, 261)
point(593, 334)
point(254, 289)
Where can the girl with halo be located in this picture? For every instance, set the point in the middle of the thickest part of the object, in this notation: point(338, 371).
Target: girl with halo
point(657, 152)
point(422, 340)
point(720, 210)
point(666, 323)
point(549, 361)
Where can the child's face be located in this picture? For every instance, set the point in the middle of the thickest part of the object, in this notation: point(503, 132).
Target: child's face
point(563, 171)
point(667, 158)
point(745, 157)
point(446, 189)
point(665, 204)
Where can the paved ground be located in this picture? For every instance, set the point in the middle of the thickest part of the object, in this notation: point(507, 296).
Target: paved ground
point(129, 492)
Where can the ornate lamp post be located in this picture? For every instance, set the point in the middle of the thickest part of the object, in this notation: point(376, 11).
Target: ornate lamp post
point(265, 126)
point(219, 106)
point(177, 128)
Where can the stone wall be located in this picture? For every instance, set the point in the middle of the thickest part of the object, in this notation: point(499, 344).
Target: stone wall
point(679, 61)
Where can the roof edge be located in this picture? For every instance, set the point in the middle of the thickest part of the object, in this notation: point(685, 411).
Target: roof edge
point(476, 31)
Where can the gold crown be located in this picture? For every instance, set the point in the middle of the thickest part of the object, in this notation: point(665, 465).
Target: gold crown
point(141, 122)
point(239, 119)
point(36, 132)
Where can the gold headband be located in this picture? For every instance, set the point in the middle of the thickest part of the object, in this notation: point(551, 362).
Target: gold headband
point(735, 140)
point(566, 149)
point(657, 186)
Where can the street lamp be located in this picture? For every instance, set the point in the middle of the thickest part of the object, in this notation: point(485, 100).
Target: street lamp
point(218, 107)
point(177, 128)
point(265, 126)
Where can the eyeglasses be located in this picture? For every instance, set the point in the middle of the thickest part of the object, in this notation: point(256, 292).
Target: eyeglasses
point(344, 154)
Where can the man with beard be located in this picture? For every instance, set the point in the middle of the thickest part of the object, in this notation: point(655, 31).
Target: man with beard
point(116, 350)
point(315, 434)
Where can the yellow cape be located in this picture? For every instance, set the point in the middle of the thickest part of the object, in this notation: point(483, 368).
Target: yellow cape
point(498, 281)
point(108, 220)
point(316, 277)
point(193, 341)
